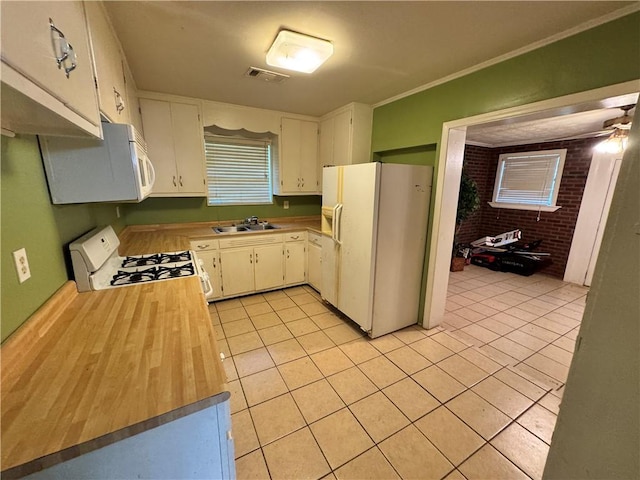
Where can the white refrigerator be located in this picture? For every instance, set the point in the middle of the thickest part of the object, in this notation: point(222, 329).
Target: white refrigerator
point(374, 225)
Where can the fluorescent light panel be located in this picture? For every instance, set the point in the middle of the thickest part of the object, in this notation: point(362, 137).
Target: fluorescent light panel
point(301, 53)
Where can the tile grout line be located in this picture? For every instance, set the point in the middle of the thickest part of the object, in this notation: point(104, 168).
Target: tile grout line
point(405, 376)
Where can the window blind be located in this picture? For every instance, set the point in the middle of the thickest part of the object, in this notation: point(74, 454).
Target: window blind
point(528, 179)
point(238, 171)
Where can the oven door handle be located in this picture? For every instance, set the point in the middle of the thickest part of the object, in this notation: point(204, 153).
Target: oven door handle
point(207, 281)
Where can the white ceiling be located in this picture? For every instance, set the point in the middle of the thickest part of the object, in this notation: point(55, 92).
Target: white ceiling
point(382, 49)
point(550, 126)
point(202, 49)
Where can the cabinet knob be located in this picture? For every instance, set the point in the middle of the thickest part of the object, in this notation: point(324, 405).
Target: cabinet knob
point(174, 181)
point(181, 181)
point(251, 258)
point(202, 247)
point(256, 258)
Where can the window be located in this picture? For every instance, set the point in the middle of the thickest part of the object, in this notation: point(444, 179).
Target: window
point(529, 180)
point(238, 171)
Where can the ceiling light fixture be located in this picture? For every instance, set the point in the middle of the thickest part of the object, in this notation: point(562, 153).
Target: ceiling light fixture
point(301, 53)
point(616, 143)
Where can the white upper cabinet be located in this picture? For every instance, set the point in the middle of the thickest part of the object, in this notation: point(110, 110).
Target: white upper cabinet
point(174, 136)
point(345, 135)
point(41, 95)
point(132, 102)
point(109, 65)
point(298, 158)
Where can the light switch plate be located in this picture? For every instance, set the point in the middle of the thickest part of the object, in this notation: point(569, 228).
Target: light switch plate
point(22, 264)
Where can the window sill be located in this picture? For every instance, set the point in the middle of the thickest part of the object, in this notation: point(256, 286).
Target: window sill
point(522, 206)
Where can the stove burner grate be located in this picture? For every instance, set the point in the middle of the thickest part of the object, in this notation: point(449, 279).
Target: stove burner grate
point(174, 272)
point(151, 274)
point(140, 276)
point(140, 261)
point(174, 257)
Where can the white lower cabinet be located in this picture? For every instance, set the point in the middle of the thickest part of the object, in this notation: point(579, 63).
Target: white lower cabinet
point(207, 252)
point(295, 258)
point(241, 265)
point(238, 275)
point(251, 264)
point(268, 267)
point(314, 261)
point(198, 445)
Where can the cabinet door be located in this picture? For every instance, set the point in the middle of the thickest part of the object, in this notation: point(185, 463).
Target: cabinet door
point(268, 266)
point(237, 271)
point(188, 139)
point(132, 103)
point(325, 150)
point(156, 121)
point(294, 262)
point(290, 146)
point(342, 138)
point(108, 65)
point(29, 44)
point(314, 266)
point(309, 157)
point(212, 267)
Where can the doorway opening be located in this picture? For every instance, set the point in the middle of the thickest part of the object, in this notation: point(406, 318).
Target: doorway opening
point(450, 169)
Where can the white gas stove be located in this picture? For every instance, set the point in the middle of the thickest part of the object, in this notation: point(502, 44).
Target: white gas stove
point(97, 266)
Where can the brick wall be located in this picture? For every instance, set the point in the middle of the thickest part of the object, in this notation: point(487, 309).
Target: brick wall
point(554, 228)
point(476, 161)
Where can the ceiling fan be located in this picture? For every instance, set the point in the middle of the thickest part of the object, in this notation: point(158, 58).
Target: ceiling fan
point(619, 125)
point(617, 141)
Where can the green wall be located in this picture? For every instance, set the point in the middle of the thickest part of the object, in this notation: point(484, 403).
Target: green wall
point(588, 60)
point(174, 210)
point(602, 56)
point(420, 155)
point(30, 220)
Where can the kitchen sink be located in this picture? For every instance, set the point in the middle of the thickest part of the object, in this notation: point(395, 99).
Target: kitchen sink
point(246, 228)
point(231, 229)
point(263, 226)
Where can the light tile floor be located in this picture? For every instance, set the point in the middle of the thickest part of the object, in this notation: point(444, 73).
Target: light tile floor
point(475, 398)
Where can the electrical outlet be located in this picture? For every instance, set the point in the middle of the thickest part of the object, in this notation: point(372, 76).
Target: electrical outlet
point(22, 264)
point(118, 211)
point(286, 204)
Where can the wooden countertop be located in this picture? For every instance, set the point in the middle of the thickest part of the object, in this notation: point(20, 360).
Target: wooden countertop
point(91, 368)
point(144, 239)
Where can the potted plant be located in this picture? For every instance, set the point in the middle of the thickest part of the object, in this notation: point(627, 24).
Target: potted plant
point(468, 203)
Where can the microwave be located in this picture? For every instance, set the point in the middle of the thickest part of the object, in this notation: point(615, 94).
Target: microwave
point(85, 170)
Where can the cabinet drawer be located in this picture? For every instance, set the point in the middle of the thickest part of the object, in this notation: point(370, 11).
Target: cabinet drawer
point(295, 236)
point(250, 240)
point(204, 244)
point(314, 238)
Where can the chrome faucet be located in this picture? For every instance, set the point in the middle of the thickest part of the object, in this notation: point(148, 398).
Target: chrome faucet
point(251, 220)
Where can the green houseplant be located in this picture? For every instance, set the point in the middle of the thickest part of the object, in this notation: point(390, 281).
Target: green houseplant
point(468, 203)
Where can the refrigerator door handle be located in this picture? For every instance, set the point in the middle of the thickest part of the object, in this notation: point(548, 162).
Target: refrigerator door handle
point(338, 214)
point(334, 223)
